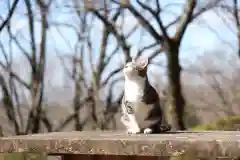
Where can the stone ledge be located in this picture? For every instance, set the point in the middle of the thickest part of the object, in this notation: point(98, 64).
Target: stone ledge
point(201, 144)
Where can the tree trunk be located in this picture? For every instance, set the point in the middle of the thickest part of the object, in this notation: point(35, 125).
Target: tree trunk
point(78, 126)
point(175, 99)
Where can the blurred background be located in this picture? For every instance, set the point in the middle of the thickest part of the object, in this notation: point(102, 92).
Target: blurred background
point(61, 62)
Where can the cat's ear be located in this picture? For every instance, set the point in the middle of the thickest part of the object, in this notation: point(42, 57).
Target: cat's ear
point(143, 63)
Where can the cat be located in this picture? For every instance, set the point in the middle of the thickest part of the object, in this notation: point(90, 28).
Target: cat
point(141, 111)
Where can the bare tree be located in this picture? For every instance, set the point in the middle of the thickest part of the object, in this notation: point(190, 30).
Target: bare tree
point(88, 89)
point(36, 114)
point(216, 94)
point(38, 67)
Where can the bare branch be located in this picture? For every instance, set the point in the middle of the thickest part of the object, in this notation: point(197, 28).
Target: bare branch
point(69, 118)
point(185, 19)
point(236, 15)
point(155, 14)
point(197, 14)
point(15, 76)
point(112, 29)
point(145, 23)
point(9, 106)
point(31, 32)
point(111, 74)
point(6, 21)
point(141, 51)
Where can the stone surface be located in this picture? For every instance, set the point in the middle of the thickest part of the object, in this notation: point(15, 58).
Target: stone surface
point(201, 144)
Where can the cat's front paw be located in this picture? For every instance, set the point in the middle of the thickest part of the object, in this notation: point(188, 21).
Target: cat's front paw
point(133, 131)
point(147, 131)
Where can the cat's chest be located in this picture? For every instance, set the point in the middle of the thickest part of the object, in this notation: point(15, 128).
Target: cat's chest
point(133, 92)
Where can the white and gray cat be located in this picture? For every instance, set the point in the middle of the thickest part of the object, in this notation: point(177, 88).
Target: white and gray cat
point(141, 111)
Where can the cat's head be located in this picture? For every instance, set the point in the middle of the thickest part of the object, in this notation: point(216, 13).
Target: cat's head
point(136, 69)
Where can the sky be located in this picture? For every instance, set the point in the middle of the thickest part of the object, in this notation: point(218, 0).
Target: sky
point(197, 40)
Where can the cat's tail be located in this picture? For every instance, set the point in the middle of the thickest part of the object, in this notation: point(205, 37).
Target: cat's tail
point(162, 128)
point(165, 128)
